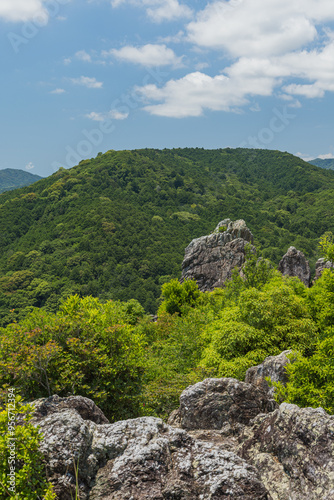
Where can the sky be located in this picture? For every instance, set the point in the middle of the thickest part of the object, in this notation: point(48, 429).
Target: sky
point(80, 77)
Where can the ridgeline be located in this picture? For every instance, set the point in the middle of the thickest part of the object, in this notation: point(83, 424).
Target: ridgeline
point(116, 226)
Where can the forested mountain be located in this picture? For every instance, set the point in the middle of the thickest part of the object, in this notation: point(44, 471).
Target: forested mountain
point(11, 178)
point(318, 162)
point(116, 226)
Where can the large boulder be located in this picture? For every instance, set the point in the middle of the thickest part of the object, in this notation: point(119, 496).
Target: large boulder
point(295, 264)
point(139, 459)
point(228, 440)
point(216, 401)
point(211, 259)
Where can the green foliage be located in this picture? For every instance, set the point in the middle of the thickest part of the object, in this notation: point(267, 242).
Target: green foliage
point(327, 246)
point(112, 226)
point(87, 348)
point(25, 459)
point(311, 378)
point(178, 296)
point(262, 322)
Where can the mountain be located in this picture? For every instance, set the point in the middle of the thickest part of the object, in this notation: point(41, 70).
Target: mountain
point(329, 163)
point(116, 226)
point(11, 178)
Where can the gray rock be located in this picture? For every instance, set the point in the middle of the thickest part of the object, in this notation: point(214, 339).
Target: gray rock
point(272, 367)
point(293, 449)
point(211, 259)
point(320, 265)
point(295, 264)
point(236, 444)
point(214, 402)
point(140, 459)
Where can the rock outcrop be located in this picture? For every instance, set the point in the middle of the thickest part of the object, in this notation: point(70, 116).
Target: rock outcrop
point(320, 265)
point(228, 440)
point(272, 367)
point(294, 263)
point(140, 459)
point(211, 259)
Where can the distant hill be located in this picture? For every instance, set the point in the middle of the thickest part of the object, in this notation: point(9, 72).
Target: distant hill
point(116, 226)
point(11, 178)
point(328, 164)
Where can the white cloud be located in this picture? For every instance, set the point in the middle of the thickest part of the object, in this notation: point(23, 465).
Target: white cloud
point(159, 10)
point(23, 10)
point(304, 156)
point(86, 81)
point(258, 27)
point(147, 55)
point(58, 91)
point(113, 114)
point(82, 55)
point(328, 156)
point(67, 61)
point(312, 72)
point(190, 95)
point(29, 166)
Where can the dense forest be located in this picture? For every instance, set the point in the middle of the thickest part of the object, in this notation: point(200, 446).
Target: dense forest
point(116, 226)
point(326, 163)
point(11, 178)
point(88, 253)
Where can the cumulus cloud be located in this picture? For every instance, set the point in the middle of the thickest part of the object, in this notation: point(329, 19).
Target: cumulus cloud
point(304, 73)
point(29, 166)
point(86, 81)
point(23, 10)
point(159, 10)
point(190, 95)
point(147, 55)
point(258, 27)
point(114, 114)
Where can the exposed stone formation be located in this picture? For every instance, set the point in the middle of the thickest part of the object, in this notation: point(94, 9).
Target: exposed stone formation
point(272, 367)
point(211, 259)
point(320, 265)
point(294, 263)
point(228, 439)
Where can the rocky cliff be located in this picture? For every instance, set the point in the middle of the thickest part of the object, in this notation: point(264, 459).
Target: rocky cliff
point(228, 440)
point(294, 263)
point(211, 259)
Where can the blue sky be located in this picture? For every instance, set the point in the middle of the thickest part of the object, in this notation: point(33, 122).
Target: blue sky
point(83, 76)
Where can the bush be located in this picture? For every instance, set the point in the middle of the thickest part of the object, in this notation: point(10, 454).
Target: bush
point(25, 459)
point(87, 348)
point(178, 296)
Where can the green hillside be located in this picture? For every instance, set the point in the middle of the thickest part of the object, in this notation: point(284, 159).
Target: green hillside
point(11, 178)
point(116, 226)
point(318, 162)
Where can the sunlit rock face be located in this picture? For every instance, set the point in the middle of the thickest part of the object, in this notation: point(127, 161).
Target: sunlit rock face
point(210, 260)
point(228, 439)
point(295, 264)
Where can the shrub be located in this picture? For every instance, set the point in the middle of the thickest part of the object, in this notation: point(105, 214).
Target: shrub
point(26, 460)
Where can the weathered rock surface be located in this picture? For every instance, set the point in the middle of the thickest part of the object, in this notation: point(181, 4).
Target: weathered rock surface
point(293, 449)
point(320, 265)
point(211, 259)
point(272, 367)
point(228, 440)
point(141, 459)
point(294, 263)
point(216, 401)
